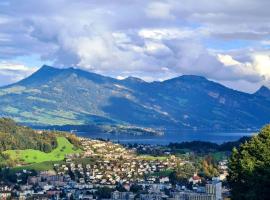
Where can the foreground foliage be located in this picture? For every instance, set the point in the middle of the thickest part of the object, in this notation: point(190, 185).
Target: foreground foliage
point(13, 136)
point(249, 168)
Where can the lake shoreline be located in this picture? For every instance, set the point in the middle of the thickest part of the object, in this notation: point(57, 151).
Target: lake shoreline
point(169, 137)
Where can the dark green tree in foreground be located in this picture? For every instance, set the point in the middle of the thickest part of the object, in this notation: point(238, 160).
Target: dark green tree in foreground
point(249, 168)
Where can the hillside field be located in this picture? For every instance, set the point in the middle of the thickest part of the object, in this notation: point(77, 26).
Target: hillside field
point(30, 156)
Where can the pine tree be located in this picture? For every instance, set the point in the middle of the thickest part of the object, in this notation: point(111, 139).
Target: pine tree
point(249, 168)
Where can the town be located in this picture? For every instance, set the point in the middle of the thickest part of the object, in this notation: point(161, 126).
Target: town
point(106, 170)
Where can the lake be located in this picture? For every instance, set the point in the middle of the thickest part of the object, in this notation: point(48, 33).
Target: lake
point(170, 136)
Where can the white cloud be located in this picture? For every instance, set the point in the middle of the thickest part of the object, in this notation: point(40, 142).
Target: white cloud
point(154, 40)
point(259, 64)
point(160, 10)
point(265, 42)
point(121, 77)
point(157, 49)
point(12, 72)
point(227, 60)
point(255, 71)
point(169, 33)
point(262, 64)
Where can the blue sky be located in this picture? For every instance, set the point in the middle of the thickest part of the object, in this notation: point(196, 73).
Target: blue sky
point(226, 41)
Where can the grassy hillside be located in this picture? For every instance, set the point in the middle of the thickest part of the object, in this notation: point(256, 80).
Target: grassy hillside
point(23, 145)
point(43, 166)
point(30, 156)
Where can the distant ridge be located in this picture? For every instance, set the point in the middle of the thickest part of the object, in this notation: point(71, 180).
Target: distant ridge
point(53, 96)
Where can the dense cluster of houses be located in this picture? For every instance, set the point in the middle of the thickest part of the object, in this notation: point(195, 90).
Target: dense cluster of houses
point(112, 164)
point(51, 186)
point(107, 165)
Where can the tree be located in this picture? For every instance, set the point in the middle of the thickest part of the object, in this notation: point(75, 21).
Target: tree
point(249, 168)
point(182, 173)
point(208, 167)
point(104, 192)
point(136, 188)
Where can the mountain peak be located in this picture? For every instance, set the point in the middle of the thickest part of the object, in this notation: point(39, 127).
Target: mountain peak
point(263, 91)
point(41, 75)
point(133, 79)
point(264, 88)
point(50, 68)
point(192, 77)
point(46, 67)
point(47, 73)
point(188, 78)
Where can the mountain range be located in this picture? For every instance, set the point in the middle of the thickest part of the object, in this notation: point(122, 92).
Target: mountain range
point(53, 96)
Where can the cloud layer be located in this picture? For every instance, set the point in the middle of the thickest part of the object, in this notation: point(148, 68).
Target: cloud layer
point(227, 41)
point(13, 72)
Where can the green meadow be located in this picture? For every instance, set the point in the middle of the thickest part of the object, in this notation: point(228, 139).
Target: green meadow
point(43, 166)
point(149, 157)
point(30, 156)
